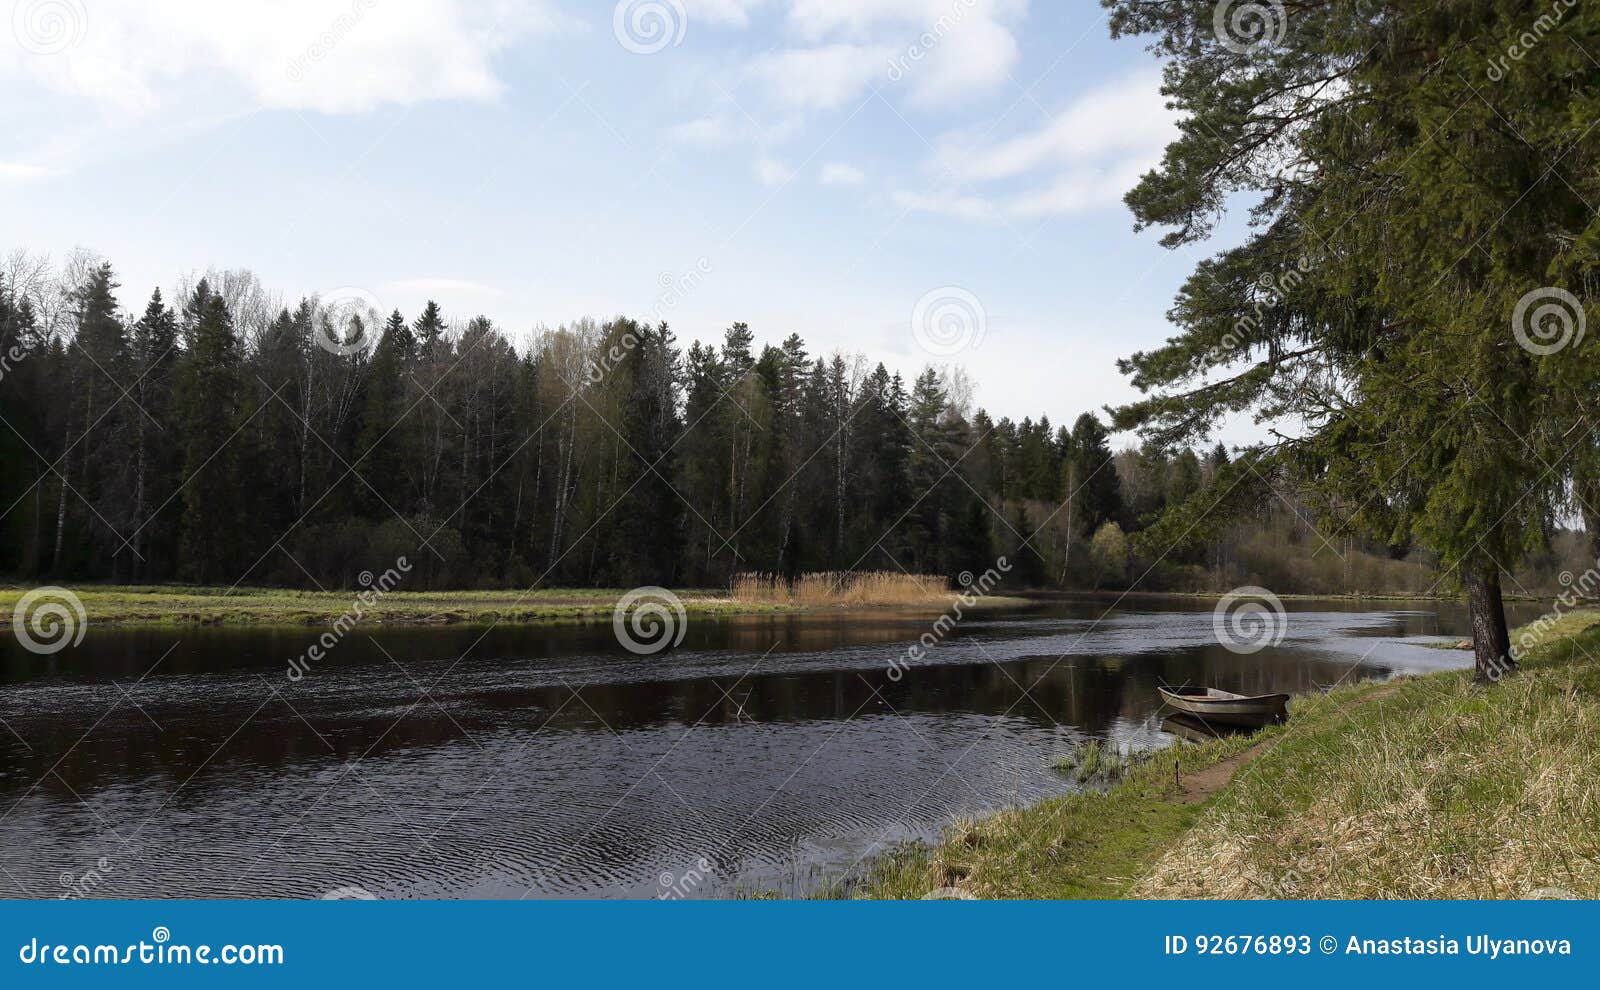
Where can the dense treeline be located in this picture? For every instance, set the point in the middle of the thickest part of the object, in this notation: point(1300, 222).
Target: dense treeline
point(212, 439)
point(225, 439)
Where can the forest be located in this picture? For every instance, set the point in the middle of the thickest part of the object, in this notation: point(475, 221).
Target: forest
point(224, 438)
point(218, 441)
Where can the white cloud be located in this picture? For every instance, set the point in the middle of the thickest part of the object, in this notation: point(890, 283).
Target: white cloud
point(1079, 190)
point(21, 172)
point(832, 54)
point(1084, 158)
point(818, 18)
point(708, 132)
point(947, 204)
point(944, 50)
point(733, 13)
point(772, 172)
point(821, 78)
point(729, 125)
point(840, 174)
point(1124, 118)
point(134, 56)
point(974, 57)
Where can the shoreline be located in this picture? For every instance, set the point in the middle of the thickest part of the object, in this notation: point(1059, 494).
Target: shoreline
point(158, 606)
point(1347, 596)
point(1412, 787)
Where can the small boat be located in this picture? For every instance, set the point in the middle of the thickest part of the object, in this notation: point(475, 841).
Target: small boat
point(1211, 705)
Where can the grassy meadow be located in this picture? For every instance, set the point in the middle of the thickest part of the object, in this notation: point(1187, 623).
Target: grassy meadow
point(752, 594)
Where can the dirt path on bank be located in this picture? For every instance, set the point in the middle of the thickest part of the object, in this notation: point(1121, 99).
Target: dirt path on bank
point(1201, 784)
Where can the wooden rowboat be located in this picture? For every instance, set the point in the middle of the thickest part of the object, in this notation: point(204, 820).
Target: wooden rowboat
point(1227, 708)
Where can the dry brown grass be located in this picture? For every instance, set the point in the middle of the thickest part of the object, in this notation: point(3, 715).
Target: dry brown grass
point(1445, 790)
point(843, 588)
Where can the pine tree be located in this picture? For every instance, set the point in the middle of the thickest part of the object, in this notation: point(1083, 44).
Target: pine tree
point(381, 451)
point(1096, 488)
point(650, 516)
point(97, 458)
point(208, 413)
point(157, 457)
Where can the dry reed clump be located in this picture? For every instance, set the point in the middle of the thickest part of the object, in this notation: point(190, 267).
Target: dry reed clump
point(959, 861)
point(842, 588)
point(1445, 791)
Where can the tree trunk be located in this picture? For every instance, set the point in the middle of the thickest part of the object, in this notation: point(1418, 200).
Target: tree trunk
point(1491, 640)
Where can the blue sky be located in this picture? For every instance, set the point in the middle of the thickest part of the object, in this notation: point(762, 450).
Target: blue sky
point(824, 166)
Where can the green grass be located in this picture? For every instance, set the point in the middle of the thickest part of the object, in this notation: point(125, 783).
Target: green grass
point(1089, 844)
point(175, 605)
point(1426, 787)
point(1092, 761)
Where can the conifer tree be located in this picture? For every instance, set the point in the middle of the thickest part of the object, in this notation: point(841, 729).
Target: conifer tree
point(209, 415)
point(1413, 225)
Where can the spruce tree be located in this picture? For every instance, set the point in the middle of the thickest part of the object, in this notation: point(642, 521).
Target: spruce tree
point(157, 457)
point(1406, 214)
point(209, 415)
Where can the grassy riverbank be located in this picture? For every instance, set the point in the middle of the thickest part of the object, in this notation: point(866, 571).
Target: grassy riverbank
point(1426, 787)
point(180, 606)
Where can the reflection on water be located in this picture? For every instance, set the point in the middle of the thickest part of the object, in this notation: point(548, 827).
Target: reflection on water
point(547, 761)
point(1197, 730)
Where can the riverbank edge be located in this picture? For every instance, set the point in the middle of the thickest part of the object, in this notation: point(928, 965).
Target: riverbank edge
point(1345, 596)
point(180, 606)
point(1104, 844)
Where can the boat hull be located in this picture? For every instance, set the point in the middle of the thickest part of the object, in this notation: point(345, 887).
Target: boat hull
point(1229, 709)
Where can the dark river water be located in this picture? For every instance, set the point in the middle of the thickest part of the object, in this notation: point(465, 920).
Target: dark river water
point(767, 754)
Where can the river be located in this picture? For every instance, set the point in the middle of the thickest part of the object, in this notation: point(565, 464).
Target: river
point(768, 754)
